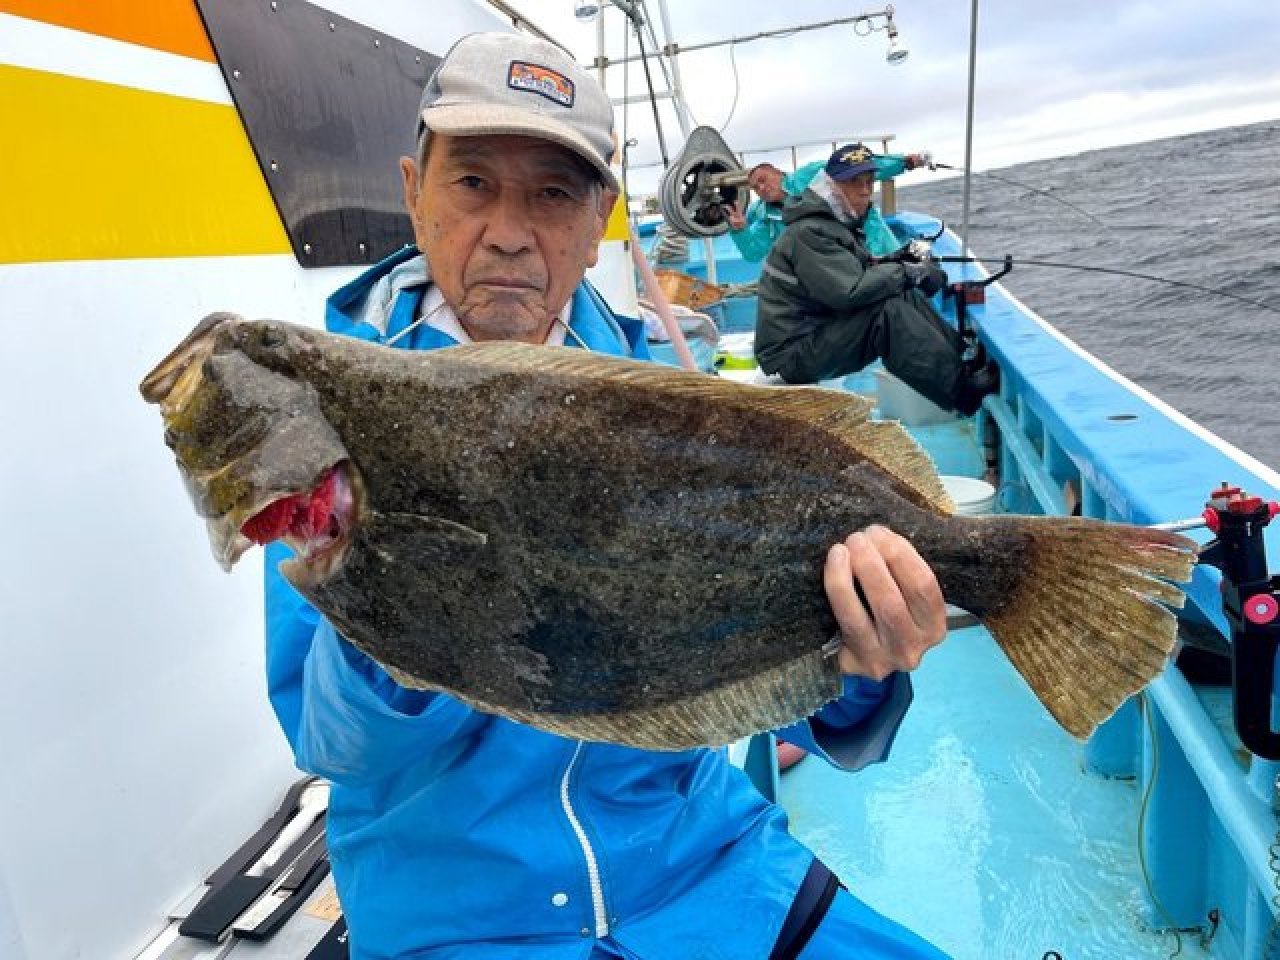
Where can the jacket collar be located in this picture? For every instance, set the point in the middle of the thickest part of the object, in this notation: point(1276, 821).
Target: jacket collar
point(383, 302)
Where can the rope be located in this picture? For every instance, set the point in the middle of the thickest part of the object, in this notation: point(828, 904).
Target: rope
point(1271, 949)
point(731, 290)
point(1145, 703)
point(670, 247)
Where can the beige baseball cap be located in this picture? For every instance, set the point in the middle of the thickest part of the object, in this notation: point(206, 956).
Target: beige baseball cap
point(495, 83)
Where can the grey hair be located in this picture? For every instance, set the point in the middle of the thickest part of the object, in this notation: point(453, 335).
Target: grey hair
point(422, 152)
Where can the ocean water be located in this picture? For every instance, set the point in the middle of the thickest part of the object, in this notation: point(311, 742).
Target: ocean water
point(1201, 209)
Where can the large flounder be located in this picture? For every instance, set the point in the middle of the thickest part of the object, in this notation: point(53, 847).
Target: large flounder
point(616, 550)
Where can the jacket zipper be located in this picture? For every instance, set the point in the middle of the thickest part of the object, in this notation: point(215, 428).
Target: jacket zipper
point(593, 865)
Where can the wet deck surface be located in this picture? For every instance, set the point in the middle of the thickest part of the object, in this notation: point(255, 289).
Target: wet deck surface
point(982, 831)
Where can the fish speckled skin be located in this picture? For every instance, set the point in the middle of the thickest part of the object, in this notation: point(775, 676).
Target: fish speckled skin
point(618, 551)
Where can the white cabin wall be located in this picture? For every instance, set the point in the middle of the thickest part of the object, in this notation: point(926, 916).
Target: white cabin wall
point(138, 741)
point(138, 744)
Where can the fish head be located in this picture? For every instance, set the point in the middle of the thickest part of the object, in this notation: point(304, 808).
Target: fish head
point(259, 458)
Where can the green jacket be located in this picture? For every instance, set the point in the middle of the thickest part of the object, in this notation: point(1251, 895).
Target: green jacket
point(764, 220)
point(820, 270)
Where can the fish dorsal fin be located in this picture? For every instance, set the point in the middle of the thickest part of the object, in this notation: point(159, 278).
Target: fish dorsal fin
point(887, 444)
point(841, 414)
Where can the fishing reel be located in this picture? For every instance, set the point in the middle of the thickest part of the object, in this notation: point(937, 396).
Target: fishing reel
point(1251, 601)
point(703, 181)
point(916, 250)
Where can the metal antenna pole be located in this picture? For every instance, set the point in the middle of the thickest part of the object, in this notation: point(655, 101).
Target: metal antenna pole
point(600, 50)
point(968, 129)
point(682, 117)
point(682, 111)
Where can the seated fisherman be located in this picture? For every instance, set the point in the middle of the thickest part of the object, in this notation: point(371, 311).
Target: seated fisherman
point(827, 307)
point(458, 835)
point(756, 232)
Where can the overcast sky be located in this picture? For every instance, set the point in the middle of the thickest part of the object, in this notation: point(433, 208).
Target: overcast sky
point(1054, 77)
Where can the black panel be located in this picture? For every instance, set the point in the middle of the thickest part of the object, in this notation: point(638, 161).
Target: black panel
point(329, 107)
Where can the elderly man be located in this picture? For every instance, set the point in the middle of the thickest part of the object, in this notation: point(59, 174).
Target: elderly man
point(755, 233)
point(828, 307)
point(456, 834)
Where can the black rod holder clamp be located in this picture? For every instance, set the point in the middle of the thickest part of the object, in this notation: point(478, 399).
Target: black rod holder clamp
point(971, 292)
point(1251, 601)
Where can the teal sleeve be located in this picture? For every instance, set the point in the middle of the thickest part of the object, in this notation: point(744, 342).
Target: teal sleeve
point(797, 182)
point(890, 165)
point(756, 239)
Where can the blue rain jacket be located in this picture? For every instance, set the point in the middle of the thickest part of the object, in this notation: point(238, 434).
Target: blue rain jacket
point(457, 834)
point(764, 220)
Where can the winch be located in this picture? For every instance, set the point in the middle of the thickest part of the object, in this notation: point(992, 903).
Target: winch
point(703, 179)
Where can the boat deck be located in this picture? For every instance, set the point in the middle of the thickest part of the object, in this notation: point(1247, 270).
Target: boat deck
point(983, 832)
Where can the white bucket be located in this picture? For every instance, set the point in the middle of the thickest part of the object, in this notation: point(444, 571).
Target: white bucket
point(971, 496)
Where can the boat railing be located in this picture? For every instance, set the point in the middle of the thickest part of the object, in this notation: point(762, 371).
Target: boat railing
point(888, 196)
point(1068, 436)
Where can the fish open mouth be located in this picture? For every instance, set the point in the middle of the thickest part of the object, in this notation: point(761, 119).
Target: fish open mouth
point(317, 525)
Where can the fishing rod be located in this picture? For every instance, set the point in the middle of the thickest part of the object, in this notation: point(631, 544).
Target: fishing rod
point(1114, 271)
point(1024, 186)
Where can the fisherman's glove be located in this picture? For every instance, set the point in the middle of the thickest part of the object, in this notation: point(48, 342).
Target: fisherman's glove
point(927, 277)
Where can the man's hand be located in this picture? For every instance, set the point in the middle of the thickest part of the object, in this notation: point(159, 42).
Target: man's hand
point(915, 160)
point(732, 214)
point(927, 276)
point(903, 614)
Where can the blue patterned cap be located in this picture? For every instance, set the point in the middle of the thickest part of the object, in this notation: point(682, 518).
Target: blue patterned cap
point(849, 161)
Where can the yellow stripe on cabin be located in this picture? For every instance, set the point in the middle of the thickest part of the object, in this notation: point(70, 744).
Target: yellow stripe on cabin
point(617, 227)
point(98, 171)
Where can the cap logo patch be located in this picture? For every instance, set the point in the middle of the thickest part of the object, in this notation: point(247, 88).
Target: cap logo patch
point(857, 155)
point(541, 80)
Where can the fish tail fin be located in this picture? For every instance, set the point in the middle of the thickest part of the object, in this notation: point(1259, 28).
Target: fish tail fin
point(1085, 624)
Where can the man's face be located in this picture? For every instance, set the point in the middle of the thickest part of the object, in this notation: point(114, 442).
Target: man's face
point(857, 192)
point(508, 224)
point(767, 183)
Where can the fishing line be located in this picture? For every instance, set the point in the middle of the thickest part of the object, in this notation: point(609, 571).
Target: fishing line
point(737, 88)
point(1144, 705)
point(1024, 186)
point(1084, 268)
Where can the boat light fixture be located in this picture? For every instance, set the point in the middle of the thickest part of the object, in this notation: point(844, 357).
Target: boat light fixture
point(585, 9)
point(896, 52)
